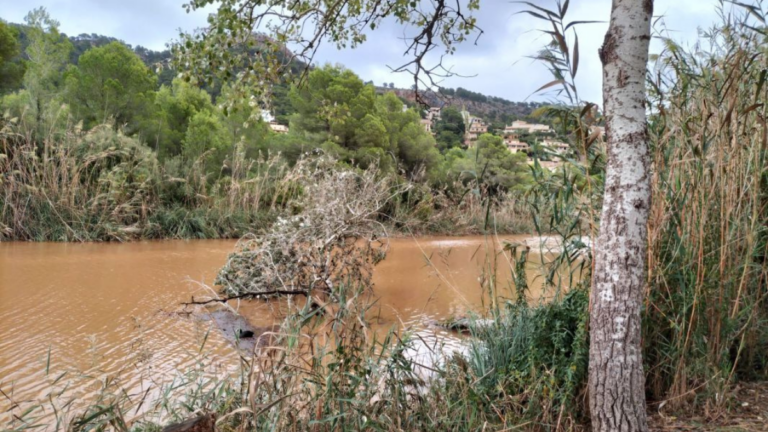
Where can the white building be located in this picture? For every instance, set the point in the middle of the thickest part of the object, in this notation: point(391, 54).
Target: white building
point(515, 146)
point(267, 116)
point(556, 146)
point(523, 126)
point(278, 128)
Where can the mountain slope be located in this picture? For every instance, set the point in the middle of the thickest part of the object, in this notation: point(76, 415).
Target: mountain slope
point(491, 108)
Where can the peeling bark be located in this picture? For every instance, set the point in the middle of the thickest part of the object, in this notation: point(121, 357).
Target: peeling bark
point(616, 377)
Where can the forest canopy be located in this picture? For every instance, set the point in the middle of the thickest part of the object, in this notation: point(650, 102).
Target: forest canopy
point(50, 81)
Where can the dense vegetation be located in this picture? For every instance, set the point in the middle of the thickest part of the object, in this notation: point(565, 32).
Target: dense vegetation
point(178, 166)
point(86, 118)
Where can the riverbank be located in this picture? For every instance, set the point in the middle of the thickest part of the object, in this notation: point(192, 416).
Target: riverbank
point(121, 288)
point(101, 185)
point(179, 223)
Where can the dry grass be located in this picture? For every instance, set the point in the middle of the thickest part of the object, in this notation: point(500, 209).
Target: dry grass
point(706, 308)
point(103, 186)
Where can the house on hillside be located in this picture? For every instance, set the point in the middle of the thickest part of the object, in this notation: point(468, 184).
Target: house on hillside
point(432, 115)
point(518, 126)
point(278, 128)
point(427, 124)
point(476, 127)
point(516, 146)
point(268, 118)
point(558, 147)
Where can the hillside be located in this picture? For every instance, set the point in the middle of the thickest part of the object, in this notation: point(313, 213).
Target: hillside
point(83, 42)
point(491, 108)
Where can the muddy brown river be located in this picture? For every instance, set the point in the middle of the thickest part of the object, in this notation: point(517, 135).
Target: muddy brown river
point(96, 312)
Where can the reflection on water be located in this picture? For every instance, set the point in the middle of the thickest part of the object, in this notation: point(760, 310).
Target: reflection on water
point(100, 309)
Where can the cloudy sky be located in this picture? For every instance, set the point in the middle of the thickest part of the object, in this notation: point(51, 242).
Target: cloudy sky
point(497, 62)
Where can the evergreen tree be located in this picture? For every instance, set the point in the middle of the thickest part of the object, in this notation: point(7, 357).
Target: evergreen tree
point(110, 83)
point(11, 66)
point(47, 56)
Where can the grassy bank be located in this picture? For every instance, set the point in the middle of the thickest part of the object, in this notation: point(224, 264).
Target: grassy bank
point(101, 185)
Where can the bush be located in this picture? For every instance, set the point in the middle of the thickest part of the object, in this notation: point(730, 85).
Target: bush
point(531, 362)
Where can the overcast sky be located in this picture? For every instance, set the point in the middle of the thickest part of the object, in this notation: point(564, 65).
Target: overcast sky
point(497, 61)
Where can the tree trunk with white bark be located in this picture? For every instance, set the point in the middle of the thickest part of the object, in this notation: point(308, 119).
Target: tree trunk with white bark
point(616, 377)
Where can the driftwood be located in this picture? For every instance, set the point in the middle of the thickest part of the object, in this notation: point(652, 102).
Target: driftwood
point(202, 423)
point(246, 296)
point(332, 244)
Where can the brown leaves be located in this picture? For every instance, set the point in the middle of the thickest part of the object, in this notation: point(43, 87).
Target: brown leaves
point(561, 59)
point(330, 243)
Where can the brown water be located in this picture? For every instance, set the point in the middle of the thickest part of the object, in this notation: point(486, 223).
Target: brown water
point(101, 311)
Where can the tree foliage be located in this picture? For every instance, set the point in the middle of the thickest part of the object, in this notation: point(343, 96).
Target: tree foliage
point(490, 163)
point(173, 107)
point(206, 137)
point(208, 55)
point(89, 80)
point(337, 111)
point(11, 68)
point(109, 83)
point(47, 53)
point(450, 129)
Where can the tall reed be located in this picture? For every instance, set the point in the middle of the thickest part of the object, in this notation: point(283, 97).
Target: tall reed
point(706, 317)
point(102, 185)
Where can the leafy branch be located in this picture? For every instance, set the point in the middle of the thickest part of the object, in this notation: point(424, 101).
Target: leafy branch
point(253, 44)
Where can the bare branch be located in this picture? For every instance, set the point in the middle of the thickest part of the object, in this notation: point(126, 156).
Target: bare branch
point(220, 50)
point(247, 296)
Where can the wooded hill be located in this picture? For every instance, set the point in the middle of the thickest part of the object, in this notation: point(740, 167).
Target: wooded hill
point(492, 108)
point(83, 42)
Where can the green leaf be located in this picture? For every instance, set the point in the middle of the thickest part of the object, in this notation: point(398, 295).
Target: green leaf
point(550, 84)
point(575, 23)
point(539, 8)
point(575, 62)
point(537, 15)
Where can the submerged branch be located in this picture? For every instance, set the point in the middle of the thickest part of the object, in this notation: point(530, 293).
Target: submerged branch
point(248, 295)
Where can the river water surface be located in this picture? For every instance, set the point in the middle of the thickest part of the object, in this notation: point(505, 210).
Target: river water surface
point(95, 312)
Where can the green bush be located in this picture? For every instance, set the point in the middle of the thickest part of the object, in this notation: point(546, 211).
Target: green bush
point(533, 360)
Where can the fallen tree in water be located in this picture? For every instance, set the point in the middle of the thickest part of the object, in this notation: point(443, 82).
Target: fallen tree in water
point(334, 236)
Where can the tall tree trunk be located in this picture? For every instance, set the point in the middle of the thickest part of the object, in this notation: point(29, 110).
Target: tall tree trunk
point(616, 377)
